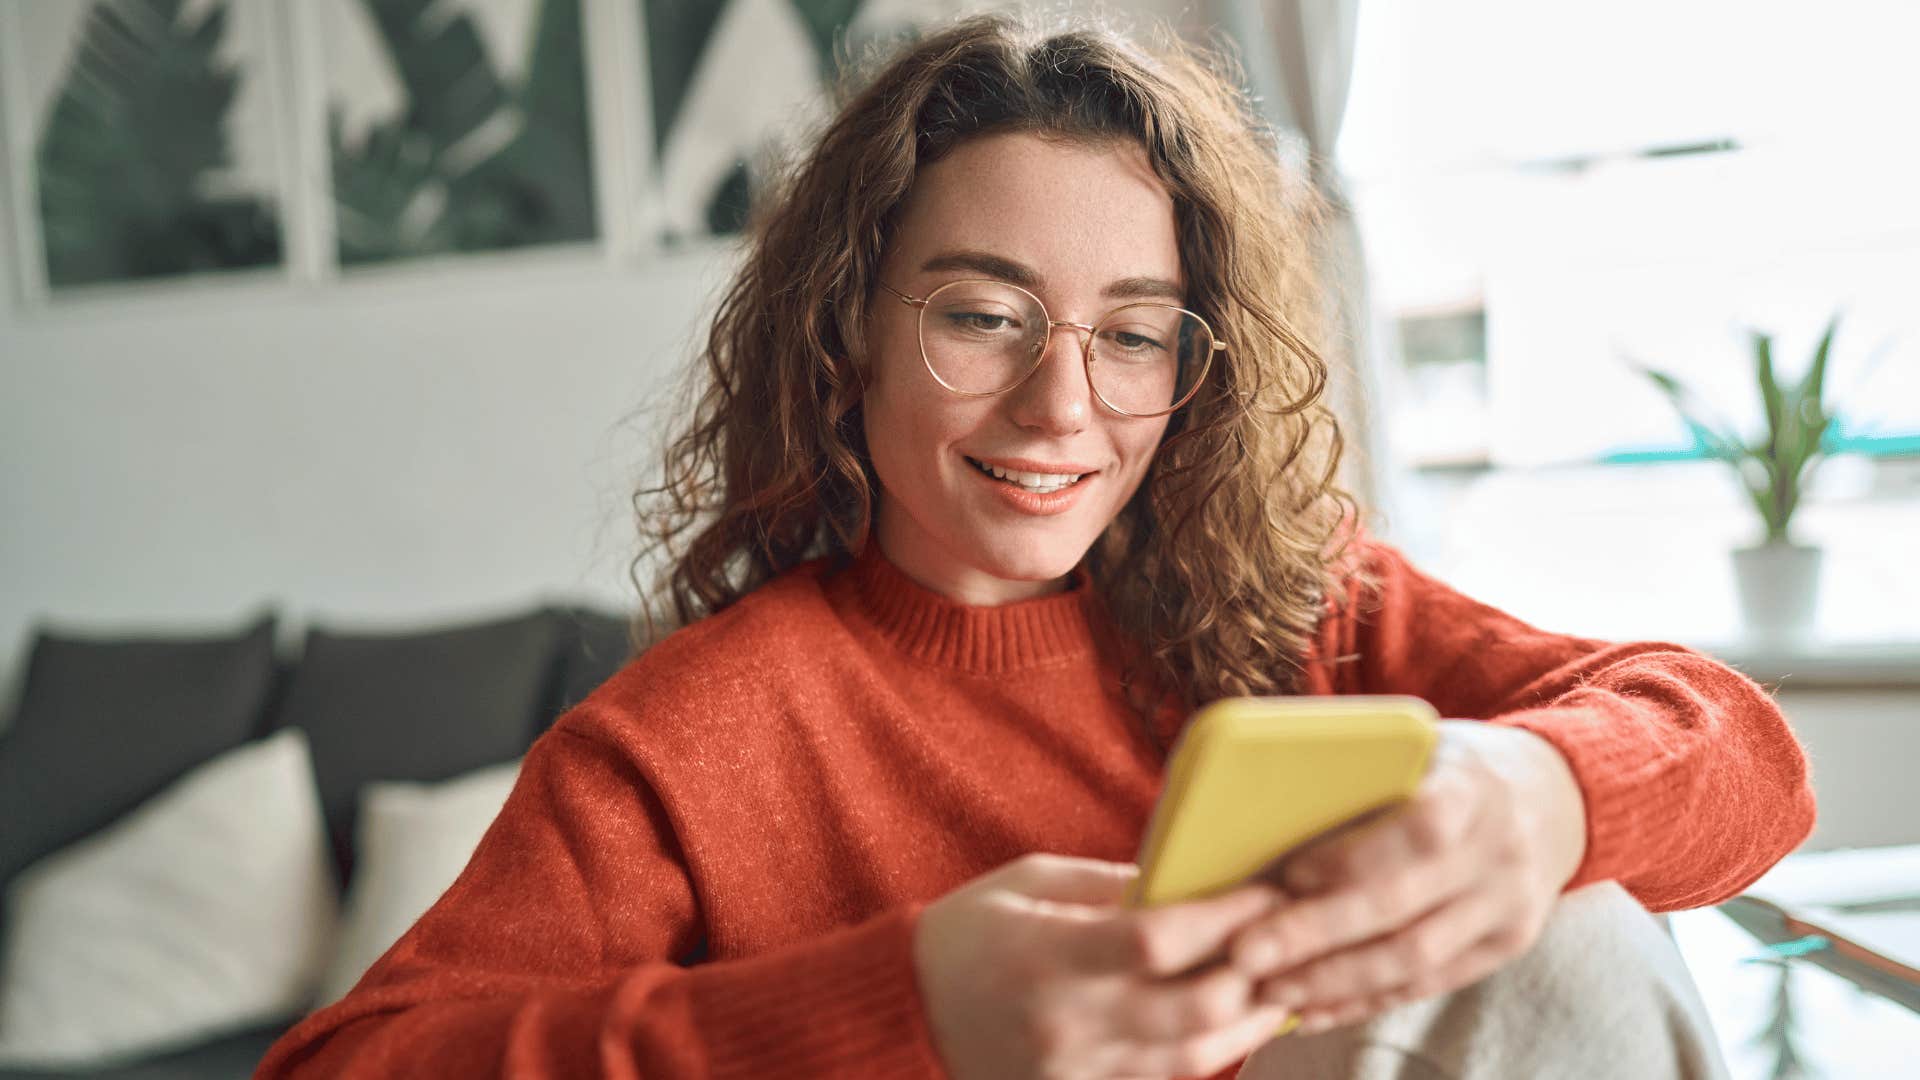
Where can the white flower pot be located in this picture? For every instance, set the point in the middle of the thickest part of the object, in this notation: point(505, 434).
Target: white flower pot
point(1779, 588)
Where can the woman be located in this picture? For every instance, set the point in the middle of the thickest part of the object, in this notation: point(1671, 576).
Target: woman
point(1012, 451)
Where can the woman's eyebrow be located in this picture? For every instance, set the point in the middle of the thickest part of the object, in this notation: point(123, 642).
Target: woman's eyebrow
point(1005, 269)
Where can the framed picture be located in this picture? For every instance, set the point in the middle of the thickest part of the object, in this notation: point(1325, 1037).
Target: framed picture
point(155, 139)
point(454, 126)
point(141, 140)
point(717, 134)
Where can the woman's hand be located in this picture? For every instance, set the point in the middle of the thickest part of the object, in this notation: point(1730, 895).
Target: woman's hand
point(1429, 896)
point(1036, 970)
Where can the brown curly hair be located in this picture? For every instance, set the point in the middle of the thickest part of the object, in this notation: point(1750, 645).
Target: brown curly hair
point(1217, 572)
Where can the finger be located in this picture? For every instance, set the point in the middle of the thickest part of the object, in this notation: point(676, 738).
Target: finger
point(1155, 942)
point(1069, 878)
point(1320, 926)
point(1278, 870)
point(1414, 954)
point(1434, 821)
point(1208, 1053)
point(1320, 1019)
point(1476, 963)
point(1169, 1009)
point(1482, 959)
point(1377, 899)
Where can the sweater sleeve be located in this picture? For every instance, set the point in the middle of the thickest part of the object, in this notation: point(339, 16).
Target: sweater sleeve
point(561, 950)
point(1694, 783)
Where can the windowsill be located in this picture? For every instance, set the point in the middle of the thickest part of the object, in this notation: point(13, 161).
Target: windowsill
point(1823, 664)
point(1642, 553)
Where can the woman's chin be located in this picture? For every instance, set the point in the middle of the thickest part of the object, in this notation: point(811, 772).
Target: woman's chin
point(1031, 566)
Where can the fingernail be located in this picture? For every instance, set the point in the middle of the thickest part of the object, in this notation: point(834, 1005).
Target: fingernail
point(1315, 1023)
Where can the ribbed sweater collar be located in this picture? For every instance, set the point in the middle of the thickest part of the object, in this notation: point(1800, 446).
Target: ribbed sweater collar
point(981, 639)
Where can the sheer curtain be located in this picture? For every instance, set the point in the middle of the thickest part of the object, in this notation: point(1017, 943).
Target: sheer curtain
point(1298, 56)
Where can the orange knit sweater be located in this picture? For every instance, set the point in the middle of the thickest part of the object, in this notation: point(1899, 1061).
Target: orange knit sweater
point(713, 866)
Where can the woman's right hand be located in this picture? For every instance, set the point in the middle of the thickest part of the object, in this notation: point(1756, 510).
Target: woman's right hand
point(1037, 969)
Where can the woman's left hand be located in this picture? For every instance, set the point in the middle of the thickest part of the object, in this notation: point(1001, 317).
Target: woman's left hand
point(1429, 896)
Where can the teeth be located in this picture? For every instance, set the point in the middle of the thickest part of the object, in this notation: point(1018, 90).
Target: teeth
point(1039, 483)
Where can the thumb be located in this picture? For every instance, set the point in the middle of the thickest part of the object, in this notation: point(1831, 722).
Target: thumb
point(1161, 941)
point(1070, 879)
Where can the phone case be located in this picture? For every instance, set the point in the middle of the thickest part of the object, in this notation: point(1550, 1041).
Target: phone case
point(1251, 778)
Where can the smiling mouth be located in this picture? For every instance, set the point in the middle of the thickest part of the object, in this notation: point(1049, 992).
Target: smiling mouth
point(1038, 483)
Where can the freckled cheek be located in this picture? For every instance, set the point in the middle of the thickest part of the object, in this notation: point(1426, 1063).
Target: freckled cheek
point(1139, 461)
point(1140, 446)
point(912, 436)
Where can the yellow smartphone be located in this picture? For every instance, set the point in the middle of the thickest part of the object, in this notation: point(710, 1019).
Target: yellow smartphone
point(1252, 778)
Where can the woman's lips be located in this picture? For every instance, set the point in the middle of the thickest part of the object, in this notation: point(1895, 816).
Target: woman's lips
point(1037, 503)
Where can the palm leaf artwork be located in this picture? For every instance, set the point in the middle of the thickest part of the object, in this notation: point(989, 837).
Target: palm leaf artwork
point(826, 22)
point(1775, 470)
point(676, 32)
point(472, 163)
point(130, 164)
point(679, 36)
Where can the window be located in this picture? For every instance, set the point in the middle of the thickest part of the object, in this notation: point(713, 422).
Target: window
point(1642, 180)
point(1548, 192)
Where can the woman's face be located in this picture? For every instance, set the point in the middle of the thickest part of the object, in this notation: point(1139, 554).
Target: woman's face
point(1076, 225)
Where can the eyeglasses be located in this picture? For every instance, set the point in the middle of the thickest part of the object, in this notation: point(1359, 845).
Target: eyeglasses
point(979, 338)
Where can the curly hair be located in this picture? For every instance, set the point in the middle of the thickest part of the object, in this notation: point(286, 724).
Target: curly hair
point(1217, 572)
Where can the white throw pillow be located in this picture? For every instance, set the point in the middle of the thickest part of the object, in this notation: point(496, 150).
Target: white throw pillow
point(412, 841)
point(210, 907)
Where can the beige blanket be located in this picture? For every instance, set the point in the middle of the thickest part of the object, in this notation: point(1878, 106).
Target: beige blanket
point(1603, 994)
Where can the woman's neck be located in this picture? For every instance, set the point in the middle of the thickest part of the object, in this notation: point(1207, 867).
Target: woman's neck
point(921, 558)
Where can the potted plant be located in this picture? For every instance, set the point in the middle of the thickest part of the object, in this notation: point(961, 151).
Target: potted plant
point(1778, 577)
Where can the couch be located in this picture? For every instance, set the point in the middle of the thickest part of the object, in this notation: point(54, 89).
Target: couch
point(120, 744)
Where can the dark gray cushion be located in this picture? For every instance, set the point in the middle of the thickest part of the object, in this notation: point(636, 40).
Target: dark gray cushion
point(593, 646)
point(420, 706)
point(105, 723)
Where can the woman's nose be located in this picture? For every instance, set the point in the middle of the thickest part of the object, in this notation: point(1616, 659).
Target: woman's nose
point(1055, 399)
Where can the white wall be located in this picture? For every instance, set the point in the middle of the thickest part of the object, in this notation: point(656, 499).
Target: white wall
point(1860, 744)
point(400, 450)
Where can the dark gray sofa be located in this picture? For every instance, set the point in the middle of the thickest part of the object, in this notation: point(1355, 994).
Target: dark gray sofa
point(104, 723)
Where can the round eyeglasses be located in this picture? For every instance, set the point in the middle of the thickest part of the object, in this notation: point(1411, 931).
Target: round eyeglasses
point(979, 338)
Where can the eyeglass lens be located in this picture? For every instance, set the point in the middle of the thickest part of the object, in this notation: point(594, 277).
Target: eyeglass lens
point(981, 337)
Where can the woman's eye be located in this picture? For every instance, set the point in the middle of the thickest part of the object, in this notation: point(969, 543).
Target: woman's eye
point(1134, 342)
point(979, 320)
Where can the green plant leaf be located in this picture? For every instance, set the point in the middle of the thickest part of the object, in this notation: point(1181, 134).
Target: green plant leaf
point(384, 190)
point(472, 164)
point(137, 129)
point(1769, 393)
point(543, 180)
point(1757, 480)
point(392, 188)
point(1810, 422)
point(1719, 443)
point(452, 88)
point(1813, 385)
point(1774, 473)
point(676, 35)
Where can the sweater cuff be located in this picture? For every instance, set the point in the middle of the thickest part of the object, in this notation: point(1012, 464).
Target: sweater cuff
point(844, 1004)
point(1625, 801)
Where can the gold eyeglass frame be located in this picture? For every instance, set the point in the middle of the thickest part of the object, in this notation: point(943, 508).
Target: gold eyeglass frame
point(1086, 352)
